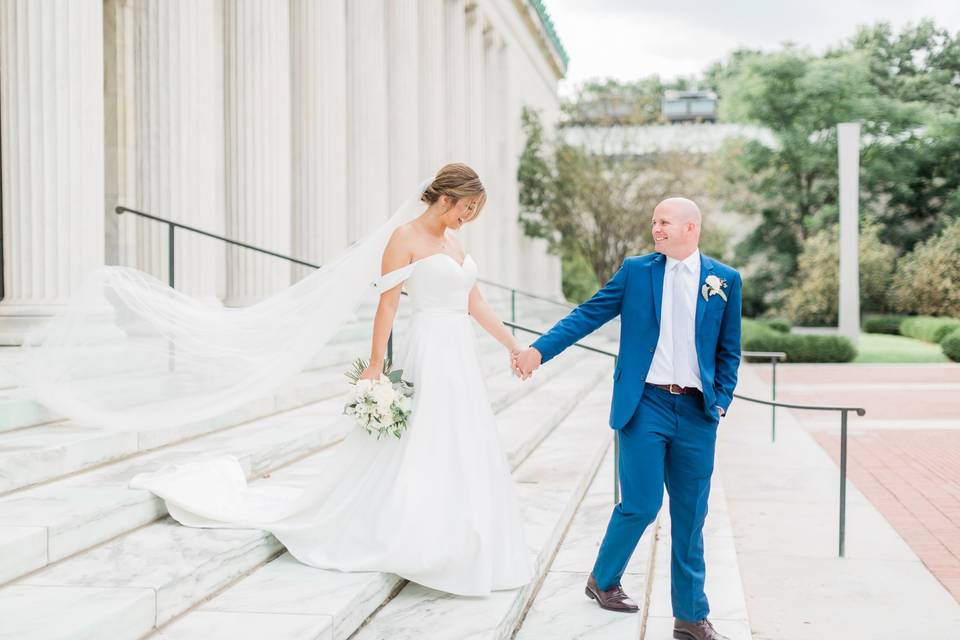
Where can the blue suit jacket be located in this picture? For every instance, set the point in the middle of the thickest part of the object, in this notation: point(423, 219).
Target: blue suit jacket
point(635, 293)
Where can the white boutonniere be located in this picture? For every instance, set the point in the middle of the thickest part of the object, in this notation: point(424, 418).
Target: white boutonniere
point(714, 286)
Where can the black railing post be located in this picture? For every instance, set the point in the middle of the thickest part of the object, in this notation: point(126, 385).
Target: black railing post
point(773, 416)
point(843, 480)
point(390, 348)
point(616, 454)
point(171, 280)
point(170, 255)
point(513, 309)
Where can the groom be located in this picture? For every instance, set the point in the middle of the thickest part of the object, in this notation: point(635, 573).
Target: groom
point(679, 354)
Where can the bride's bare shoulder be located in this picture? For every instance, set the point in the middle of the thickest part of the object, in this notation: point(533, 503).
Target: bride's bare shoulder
point(401, 243)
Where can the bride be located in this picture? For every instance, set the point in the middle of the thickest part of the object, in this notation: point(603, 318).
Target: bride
point(437, 506)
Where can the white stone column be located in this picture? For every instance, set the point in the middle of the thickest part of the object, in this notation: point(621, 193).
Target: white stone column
point(179, 140)
point(473, 117)
point(319, 104)
point(476, 234)
point(455, 81)
point(258, 179)
point(404, 117)
point(51, 153)
point(431, 85)
point(367, 143)
point(502, 199)
point(848, 151)
point(493, 131)
point(119, 130)
point(509, 123)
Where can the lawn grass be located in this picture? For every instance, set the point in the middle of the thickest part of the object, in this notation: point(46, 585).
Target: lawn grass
point(879, 347)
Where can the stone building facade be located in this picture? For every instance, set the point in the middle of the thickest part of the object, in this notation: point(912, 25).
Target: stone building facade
point(294, 125)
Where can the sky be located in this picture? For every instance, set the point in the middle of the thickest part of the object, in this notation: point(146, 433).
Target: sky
point(628, 39)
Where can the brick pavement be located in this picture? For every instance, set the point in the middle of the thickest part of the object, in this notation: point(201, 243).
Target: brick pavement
point(913, 478)
point(911, 475)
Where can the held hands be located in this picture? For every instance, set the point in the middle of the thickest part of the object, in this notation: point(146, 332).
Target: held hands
point(373, 371)
point(525, 362)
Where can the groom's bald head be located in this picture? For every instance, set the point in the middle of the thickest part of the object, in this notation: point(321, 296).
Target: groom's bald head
point(686, 210)
point(676, 227)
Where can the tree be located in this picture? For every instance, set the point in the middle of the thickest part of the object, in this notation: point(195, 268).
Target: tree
point(813, 299)
point(596, 206)
point(926, 278)
point(908, 147)
point(915, 180)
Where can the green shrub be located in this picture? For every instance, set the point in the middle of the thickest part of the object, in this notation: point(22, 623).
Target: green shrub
point(951, 345)
point(883, 323)
point(579, 281)
point(756, 336)
point(778, 325)
point(925, 282)
point(927, 328)
point(811, 298)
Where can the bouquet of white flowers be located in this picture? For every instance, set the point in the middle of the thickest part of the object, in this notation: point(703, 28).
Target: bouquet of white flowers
point(380, 406)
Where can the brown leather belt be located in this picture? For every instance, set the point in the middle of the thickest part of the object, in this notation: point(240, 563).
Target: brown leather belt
point(676, 389)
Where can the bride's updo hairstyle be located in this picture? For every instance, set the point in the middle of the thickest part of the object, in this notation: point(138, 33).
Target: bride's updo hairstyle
point(456, 181)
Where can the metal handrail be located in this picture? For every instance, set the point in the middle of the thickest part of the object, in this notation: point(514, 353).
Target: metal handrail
point(773, 356)
point(173, 225)
point(177, 225)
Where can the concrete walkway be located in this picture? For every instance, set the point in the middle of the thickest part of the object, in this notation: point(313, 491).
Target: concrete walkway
point(783, 505)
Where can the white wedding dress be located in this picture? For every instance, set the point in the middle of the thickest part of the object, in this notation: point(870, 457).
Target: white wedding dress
point(437, 506)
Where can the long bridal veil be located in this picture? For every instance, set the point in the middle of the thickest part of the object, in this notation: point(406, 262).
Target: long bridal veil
point(130, 353)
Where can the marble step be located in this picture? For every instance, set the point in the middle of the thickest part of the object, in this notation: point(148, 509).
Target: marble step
point(19, 412)
point(45, 452)
point(552, 482)
point(44, 524)
point(560, 608)
point(181, 565)
point(724, 587)
point(337, 603)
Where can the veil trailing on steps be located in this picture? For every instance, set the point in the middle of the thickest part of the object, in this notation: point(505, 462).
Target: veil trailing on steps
point(130, 353)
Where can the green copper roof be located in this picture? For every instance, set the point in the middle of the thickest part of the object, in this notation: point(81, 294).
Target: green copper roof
point(551, 31)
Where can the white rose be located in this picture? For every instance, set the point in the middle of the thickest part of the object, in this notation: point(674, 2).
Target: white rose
point(384, 395)
point(713, 282)
point(404, 403)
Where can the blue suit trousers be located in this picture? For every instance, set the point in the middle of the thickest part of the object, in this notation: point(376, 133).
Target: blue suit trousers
point(669, 441)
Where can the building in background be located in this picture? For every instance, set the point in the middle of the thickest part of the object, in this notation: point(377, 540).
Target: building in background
point(293, 125)
point(689, 106)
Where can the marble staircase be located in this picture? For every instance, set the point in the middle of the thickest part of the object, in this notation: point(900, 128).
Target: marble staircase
point(67, 514)
point(84, 556)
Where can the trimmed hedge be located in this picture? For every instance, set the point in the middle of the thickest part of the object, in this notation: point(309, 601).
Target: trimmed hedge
point(778, 325)
point(928, 328)
point(951, 345)
point(755, 336)
point(883, 323)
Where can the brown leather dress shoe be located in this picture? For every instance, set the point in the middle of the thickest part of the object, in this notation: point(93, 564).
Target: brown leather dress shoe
point(699, 630)
point(613, 599)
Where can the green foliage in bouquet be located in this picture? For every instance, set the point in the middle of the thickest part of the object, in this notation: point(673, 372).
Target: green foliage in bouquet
point(360, 365)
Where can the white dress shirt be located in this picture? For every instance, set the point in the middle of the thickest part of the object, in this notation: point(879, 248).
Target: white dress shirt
point(675, 360)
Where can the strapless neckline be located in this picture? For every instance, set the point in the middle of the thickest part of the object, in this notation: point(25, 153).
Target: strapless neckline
point(466, 257)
